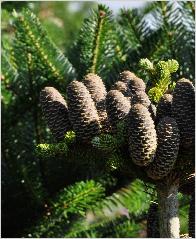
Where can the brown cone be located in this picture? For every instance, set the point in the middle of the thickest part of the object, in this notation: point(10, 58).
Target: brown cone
point(168, 139)
point(183, 110)
point(82, 111)
point(142, 135)
point(117, 106)
point(123, 88)
point(55, 111)
point(164, 107)
point(140, 97)
point(134, 83)
point(97, 89)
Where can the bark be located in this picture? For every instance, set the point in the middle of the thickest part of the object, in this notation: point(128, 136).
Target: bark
point(168, 210)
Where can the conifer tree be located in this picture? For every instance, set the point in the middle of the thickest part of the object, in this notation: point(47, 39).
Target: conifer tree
point(113, 155)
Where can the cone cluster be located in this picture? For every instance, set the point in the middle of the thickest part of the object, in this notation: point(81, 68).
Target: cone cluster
point(55, 111)
point(90, 108)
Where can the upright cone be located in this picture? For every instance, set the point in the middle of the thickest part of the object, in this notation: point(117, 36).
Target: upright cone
point(140, 97)
point(82, 111)
point(164, 107)
point(134, 83)
point(183, 110)
point(167, 149)
point(123, 88)
point(117, 106)
point(142, 135)
point(55, 111)
point(97, 89)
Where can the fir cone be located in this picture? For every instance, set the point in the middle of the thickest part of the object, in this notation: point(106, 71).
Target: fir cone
point(168, 140)
point(134, 83)
point(183, 110)
point(140, 97)
point(82, 111)
point(97, 89)
point(55, 111)
point(142, 135)
point(164, 107)
point(153, 221)
point(192, 216)
point(122, 87)
point(126, 76)
point(117, 106)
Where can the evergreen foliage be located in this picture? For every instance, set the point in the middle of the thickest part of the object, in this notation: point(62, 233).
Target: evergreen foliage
point(95, 46)
point(75, 199)
point(110, 216)
point(29, 63)
point(161, 76)
point(161, 30)
point(51, 150)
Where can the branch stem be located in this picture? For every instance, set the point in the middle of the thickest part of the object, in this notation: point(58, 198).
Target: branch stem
point(168, 210)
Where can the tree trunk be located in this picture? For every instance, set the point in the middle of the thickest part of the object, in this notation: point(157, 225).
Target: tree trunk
point(169, 223)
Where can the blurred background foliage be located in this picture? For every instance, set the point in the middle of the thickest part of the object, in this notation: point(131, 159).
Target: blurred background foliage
point(62, 22)
point(52, 52)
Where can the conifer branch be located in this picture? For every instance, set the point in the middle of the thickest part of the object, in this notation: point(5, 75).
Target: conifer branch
point(51, 59)
point(160, 75)
point(95, 44)
point(97, 41)
point(76, 199)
